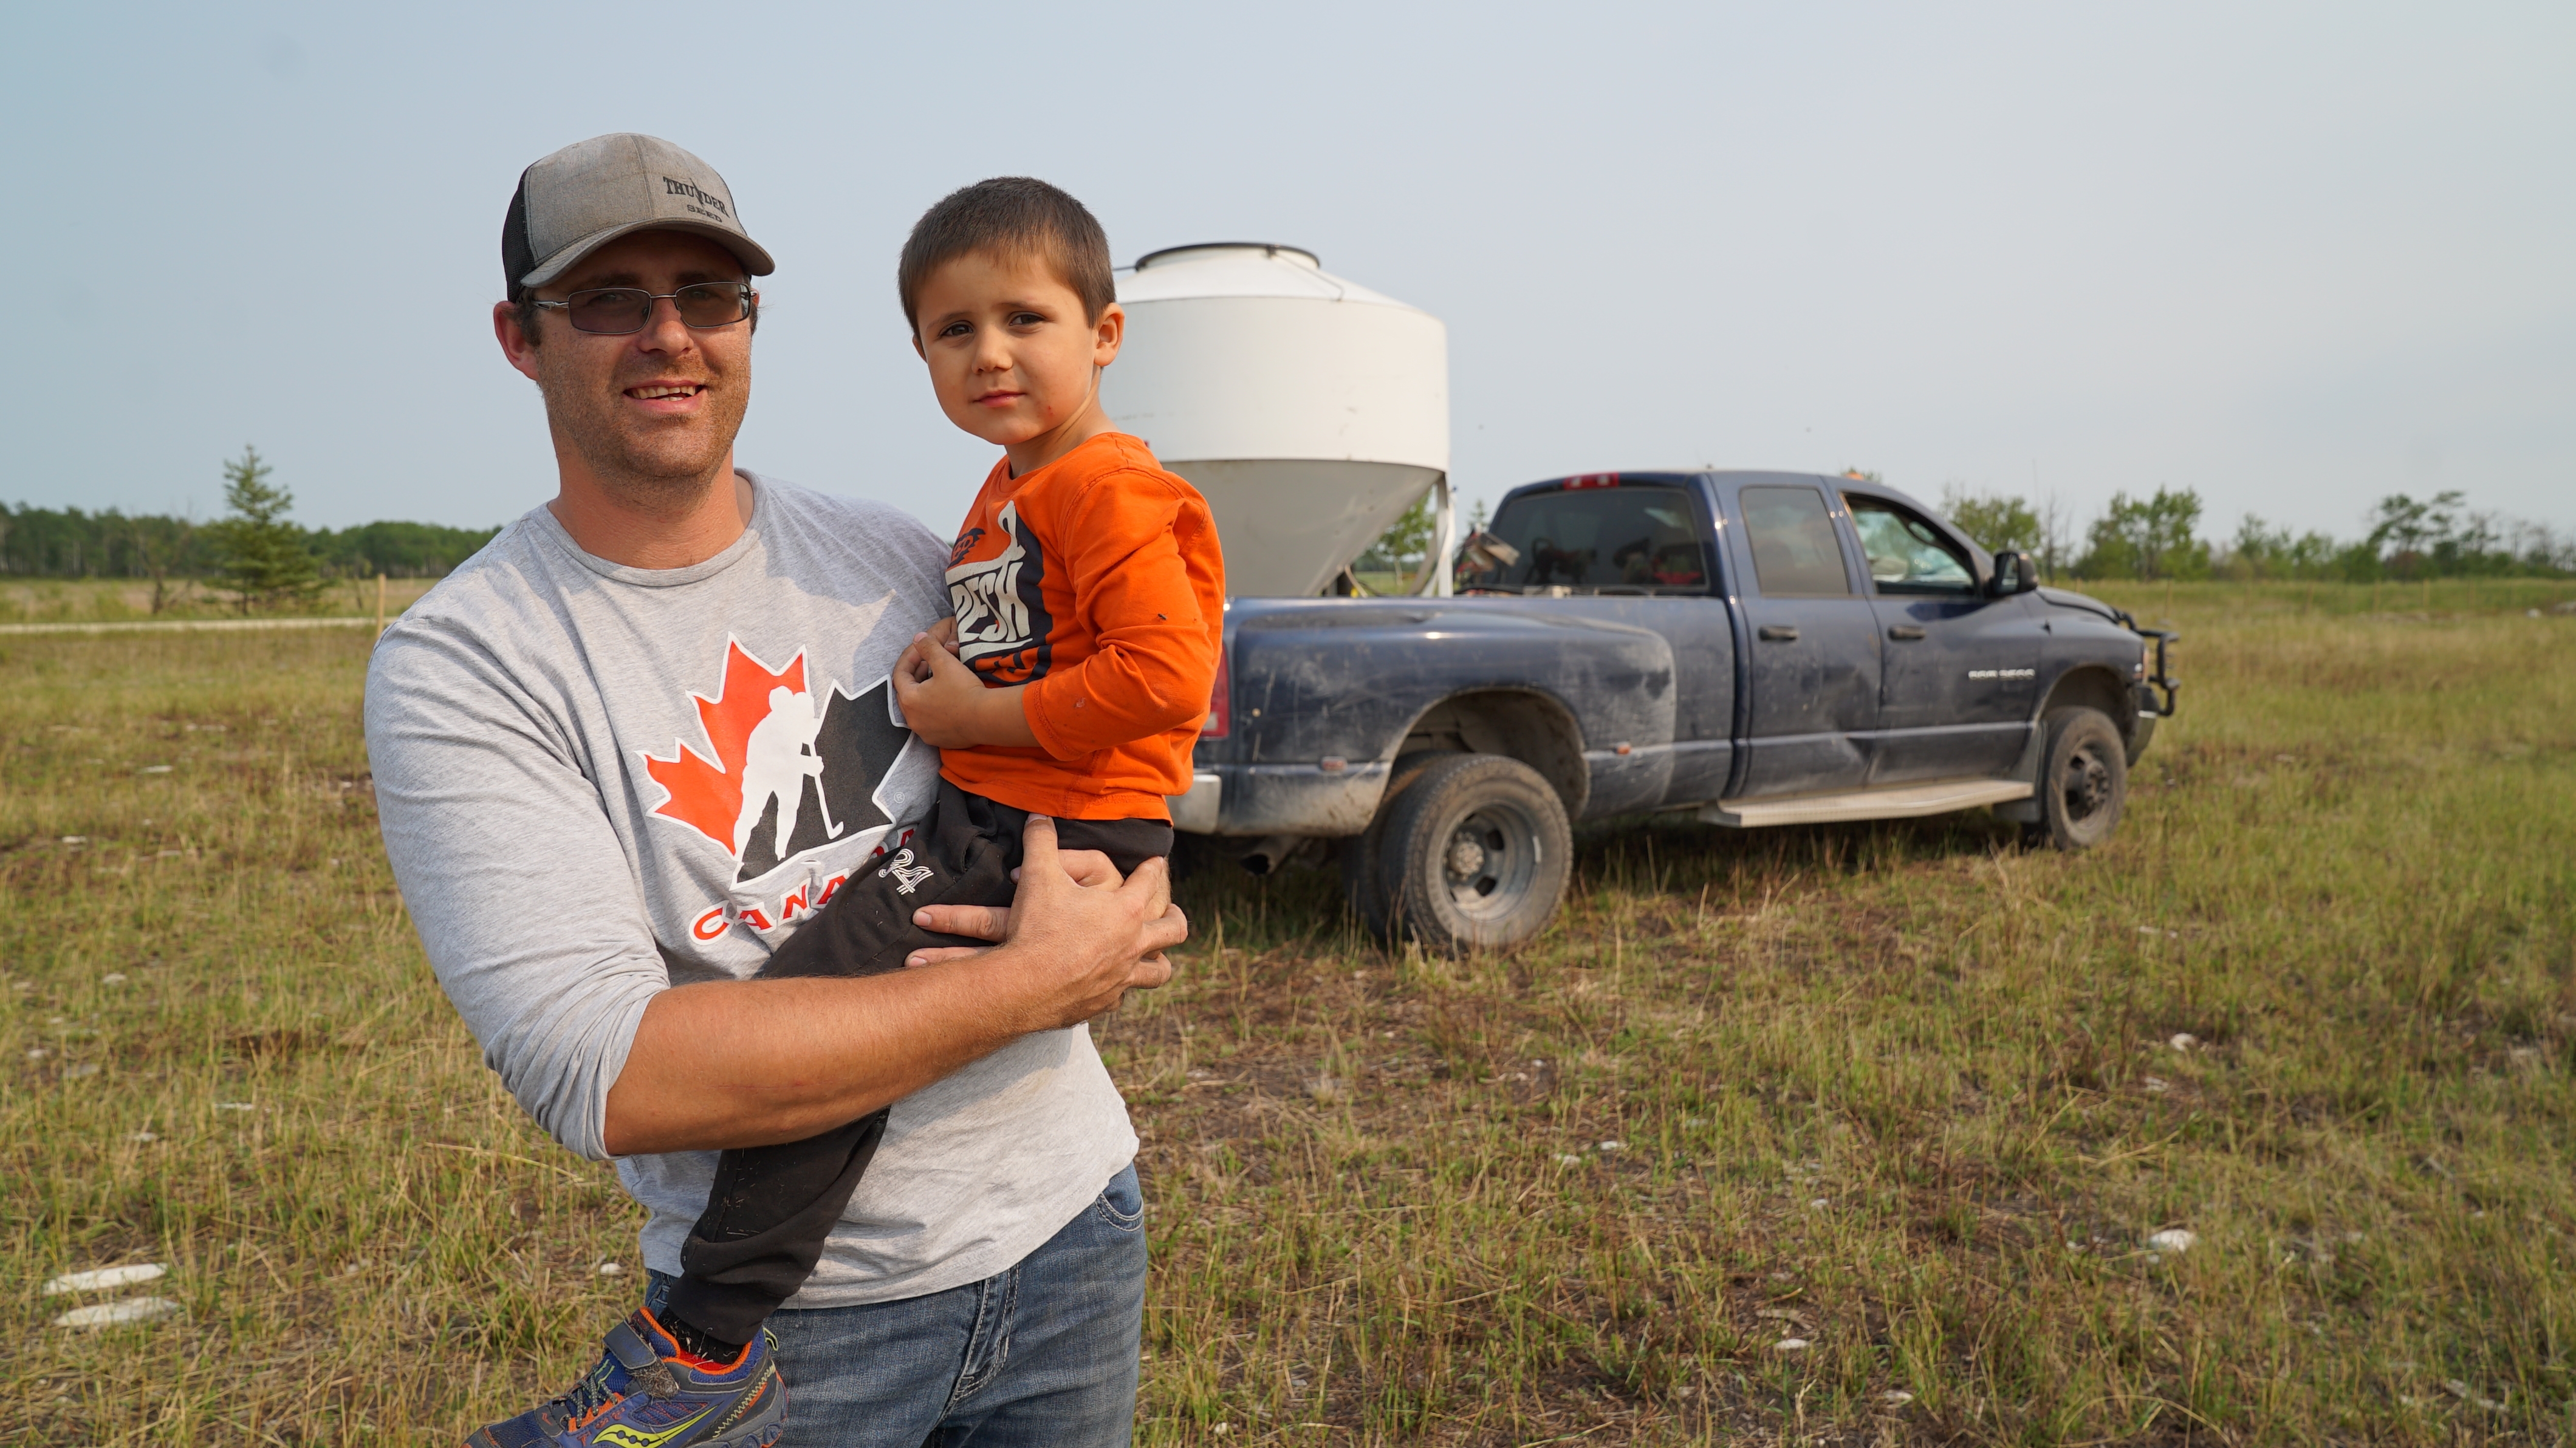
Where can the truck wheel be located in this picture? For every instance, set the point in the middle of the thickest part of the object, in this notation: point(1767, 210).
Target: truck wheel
point(2083, 780)
point(1363, 884)
point(1474, 854)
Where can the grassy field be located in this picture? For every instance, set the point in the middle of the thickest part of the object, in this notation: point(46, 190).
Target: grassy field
point(127, 600)
point(1902, 1093)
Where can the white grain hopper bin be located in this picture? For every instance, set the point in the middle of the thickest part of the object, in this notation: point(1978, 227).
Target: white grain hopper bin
point(1310, 411)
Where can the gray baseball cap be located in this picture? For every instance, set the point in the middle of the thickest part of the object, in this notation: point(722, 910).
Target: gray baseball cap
point(592, 192)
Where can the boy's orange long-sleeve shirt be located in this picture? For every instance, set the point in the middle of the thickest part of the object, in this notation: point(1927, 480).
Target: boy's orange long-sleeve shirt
point(1095, 580)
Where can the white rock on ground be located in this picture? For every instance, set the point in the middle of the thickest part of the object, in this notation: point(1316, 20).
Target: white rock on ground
point(1790, 1344)
point(112, 1314)
point(2466, 1394)
point(99, 1279)
point(2173, 1239)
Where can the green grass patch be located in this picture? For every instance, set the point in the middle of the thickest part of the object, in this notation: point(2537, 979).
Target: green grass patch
point(42, 601)
point(1905, 1093)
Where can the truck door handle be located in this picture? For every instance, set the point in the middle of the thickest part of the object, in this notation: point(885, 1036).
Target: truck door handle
point(1905, 633)
point(1779, 633)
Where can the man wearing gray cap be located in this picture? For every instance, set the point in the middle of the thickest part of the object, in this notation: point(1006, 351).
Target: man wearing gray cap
point(622, 754)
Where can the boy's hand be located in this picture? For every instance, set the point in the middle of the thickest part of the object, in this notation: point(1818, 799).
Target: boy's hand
point(948, 704)
point(944, 634)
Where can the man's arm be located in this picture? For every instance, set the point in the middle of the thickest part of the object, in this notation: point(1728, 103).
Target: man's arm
point(749, 1063)
point(523, 897)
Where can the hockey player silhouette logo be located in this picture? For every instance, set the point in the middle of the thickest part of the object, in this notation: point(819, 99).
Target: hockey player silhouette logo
point(785, 768)
point(776, 762)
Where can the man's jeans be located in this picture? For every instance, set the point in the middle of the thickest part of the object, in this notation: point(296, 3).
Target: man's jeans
point(1044, 1353)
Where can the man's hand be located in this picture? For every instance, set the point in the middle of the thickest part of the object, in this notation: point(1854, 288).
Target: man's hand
point(1093, 934)
point(949, 705)
point(747, 1063)
point(1089, 869)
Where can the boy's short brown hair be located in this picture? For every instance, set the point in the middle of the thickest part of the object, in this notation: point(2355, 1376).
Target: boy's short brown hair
point(1012, 216)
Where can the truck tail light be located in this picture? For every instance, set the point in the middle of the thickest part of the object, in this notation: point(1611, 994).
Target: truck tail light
point(1220, 714)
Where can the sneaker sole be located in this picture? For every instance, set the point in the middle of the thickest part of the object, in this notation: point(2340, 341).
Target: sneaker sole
point(761, 1429)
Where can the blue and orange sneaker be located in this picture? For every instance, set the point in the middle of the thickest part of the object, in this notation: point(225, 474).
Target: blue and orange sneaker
point(647, 1393)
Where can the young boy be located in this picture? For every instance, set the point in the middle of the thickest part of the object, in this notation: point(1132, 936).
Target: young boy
point(1088, 595)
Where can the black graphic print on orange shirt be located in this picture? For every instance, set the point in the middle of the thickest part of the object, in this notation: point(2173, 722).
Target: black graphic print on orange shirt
point(1002, 619)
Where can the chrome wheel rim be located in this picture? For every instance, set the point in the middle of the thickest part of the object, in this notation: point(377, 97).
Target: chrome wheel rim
point(2087, 783)
point(1490, 860)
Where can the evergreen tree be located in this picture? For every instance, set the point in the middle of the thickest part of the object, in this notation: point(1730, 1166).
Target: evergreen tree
point(264, 557)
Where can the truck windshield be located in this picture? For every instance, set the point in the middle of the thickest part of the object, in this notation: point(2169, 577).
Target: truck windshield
point(1632, 538)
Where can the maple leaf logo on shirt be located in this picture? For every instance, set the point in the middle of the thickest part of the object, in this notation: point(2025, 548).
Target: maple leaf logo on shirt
point(779, 776)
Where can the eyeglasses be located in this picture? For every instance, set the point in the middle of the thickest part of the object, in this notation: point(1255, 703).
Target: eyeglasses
point(615, 311)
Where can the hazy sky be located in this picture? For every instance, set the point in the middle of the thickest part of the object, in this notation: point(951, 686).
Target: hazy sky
point(2296, 257)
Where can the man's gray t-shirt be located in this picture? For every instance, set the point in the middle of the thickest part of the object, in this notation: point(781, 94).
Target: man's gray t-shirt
point(597, 782)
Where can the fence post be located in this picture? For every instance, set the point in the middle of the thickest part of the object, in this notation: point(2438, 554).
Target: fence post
point(380, 604)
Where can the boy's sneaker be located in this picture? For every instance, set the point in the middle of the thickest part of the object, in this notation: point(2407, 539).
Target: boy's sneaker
point(646, 1393)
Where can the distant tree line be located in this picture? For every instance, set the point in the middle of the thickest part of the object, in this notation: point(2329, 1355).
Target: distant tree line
point(72, 543)
point(2158, 536)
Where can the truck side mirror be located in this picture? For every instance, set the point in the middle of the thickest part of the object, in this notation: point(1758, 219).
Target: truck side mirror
point(1485, 553)
point(2013, 574)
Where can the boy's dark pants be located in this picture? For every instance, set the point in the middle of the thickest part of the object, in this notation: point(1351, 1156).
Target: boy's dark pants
point(772, 1206)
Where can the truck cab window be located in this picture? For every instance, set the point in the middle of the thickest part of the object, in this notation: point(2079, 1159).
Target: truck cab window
point(1907, 555)
point(1794, 551)
point(1630, 538)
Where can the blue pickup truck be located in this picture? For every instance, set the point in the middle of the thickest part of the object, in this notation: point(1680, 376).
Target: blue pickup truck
point(1758, 648)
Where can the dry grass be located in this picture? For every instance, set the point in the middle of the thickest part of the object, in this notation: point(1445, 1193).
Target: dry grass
point(1382, 1207)
point(128, 600)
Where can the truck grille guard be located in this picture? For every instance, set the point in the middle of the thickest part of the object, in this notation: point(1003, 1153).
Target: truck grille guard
point(2159, 685)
